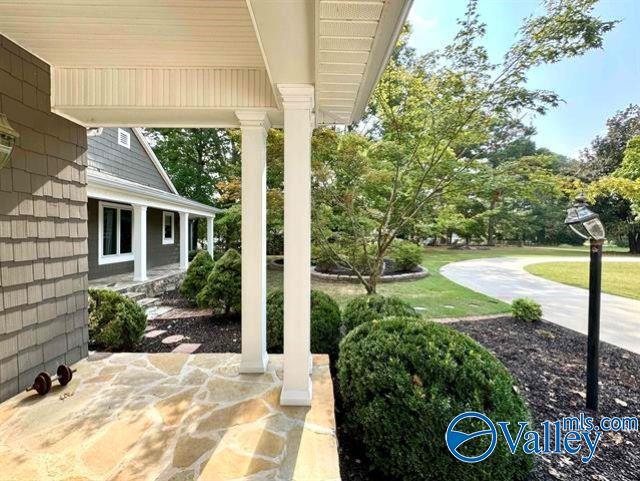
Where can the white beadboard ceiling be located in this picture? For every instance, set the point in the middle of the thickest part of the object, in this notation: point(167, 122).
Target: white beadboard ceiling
point(132, 33)
point(146, 62)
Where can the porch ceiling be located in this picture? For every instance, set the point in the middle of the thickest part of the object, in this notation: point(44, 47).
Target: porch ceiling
point(196, 62)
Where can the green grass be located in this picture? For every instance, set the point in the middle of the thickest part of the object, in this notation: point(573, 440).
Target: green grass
point(438, 296)
point(619, 278)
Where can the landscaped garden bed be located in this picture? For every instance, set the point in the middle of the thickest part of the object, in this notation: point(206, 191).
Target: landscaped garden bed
point(549, 363)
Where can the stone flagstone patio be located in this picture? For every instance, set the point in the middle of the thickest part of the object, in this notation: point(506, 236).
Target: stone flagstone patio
point(170, 417)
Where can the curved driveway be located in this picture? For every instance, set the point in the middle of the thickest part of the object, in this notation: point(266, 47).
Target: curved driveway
point(504, 278)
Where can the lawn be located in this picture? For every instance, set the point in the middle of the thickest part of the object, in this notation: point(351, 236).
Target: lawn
point(436, 295)
point(619, 278)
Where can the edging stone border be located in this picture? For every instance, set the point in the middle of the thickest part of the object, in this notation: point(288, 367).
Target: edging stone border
point(409, 276)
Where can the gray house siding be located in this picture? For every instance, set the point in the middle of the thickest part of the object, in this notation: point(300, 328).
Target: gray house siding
point(43, 229)
point(158, 254)
point(135, 165)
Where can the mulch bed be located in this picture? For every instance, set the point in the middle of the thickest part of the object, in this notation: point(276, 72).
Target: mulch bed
point(549, 363)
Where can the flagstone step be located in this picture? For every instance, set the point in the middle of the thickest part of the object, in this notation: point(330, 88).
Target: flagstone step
point(136, 296)
point(176, 338)
point(154, 333)
point(148, 302)
point(153, 312)
point(186, 348)
point(178, 313)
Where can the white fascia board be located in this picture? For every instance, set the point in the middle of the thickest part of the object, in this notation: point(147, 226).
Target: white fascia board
point(100, 186)
point(154, 159)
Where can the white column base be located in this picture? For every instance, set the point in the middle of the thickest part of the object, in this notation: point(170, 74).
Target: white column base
point(249, 367)
point(290, 397)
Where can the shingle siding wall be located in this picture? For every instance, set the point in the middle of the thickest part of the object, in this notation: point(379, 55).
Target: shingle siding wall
point(158, 254)
point(43, 229)
point(106, 155)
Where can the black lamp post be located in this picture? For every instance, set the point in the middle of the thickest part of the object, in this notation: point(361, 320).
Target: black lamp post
point(586, 223)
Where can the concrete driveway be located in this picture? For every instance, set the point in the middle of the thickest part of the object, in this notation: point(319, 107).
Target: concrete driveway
point(504, 278)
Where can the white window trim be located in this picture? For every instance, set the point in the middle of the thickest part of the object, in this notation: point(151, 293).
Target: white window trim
point(169, 240)
point(113, 258)
point(127, 135)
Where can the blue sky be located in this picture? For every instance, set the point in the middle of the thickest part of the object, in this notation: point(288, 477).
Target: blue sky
point(593, 86)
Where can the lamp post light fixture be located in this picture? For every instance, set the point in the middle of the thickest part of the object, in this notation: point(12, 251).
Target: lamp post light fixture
point(587, 224)
point(8, 138)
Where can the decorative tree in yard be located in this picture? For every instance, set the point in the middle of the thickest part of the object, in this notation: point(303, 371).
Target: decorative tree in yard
point(432, 121)
point(601, 161)
point(624, 186)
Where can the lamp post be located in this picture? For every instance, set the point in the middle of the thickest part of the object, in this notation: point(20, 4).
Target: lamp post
point(586, 223)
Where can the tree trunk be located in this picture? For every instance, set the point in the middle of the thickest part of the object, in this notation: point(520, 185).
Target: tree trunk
point(634, 239)
point(491, 226)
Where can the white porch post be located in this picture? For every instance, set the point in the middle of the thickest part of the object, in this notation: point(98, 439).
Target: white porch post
point(210, 235)
point(298, 118)
point(184, 240)
point(254, 126)
point(139, 242)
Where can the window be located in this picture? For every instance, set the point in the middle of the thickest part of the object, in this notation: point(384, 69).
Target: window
point(115, 225)
point(167, 228)
point(124, 138)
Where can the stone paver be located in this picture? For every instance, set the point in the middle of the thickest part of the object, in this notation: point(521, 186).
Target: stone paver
point(187, 348)
point(170, 417)
point(184, 313)
point(176, 338)
point(504, 278)
point(154, 333)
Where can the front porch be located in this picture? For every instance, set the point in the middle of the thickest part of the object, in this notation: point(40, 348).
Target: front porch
point(159, 279)
point(170, 417)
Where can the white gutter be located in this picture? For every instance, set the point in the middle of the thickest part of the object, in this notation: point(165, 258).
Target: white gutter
point(107, 187)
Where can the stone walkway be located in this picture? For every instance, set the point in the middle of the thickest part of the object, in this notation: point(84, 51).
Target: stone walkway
point(504, 278)
point(165, 313)
point(170, 417)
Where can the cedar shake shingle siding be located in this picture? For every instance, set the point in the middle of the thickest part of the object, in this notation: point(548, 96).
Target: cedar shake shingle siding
point(43, 229)
point(134, 164)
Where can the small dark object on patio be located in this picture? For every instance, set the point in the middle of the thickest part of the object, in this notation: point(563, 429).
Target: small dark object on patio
point(43, 382)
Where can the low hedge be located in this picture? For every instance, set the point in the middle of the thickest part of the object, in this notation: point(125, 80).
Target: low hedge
point(406, 255)
point(196, 277)
point(403, 380)
point(370, 307)
point(116, 323)
point(325, 323)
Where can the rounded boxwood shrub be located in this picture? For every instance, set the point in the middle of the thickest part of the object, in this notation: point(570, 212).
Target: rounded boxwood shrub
point(223, 287)
point(116, 322)
point(406, 256)
point(196, 277)
point(325, 322)
point(369, 307)
point(403, 380)
point(526, 310)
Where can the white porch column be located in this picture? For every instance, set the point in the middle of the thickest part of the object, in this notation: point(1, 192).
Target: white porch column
point(210, 235)
point(254, 126)
point(139, 242)
point(298, 126)
point(184, 240)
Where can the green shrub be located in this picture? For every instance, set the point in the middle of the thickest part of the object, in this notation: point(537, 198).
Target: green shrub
point(223, 287)
point(402, 382)
point(526, 310)
point(367, 308)
point(406, 255)
point(116, 323)
point(196, 277)
point(325, 322)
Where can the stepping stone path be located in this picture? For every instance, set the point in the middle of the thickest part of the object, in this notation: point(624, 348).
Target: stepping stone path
point(157, 312)
point(155, 333)
point(173, 339)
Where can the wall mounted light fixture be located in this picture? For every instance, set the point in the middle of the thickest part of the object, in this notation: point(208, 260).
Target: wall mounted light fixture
point(8, 138)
